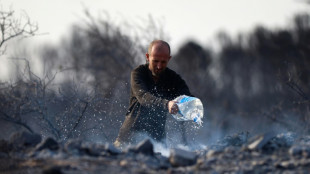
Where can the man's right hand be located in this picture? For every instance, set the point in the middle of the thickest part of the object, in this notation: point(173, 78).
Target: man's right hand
point(173, 107)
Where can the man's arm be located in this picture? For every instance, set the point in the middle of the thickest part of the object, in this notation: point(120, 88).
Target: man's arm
point(142, 93)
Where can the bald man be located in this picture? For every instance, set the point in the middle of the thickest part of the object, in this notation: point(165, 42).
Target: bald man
point(153, 87)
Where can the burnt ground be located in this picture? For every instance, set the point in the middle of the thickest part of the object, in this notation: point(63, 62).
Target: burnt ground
point(266, 153)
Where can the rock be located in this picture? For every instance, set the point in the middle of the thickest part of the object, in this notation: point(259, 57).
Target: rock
point(260, 141)
point(179, 157)
point(300, 150)
point(227, 159)
point(163, 162)
point(76, 147)
point(211, 153)
point(146, 147)
point(112, 149)
point(295, 151)
point(73, 146)
point(24, 140)
point(286, 165)
point(44, 153)
point(306, 152)
point(92, 149)
point(285, 139)
point(48, 143)
point(123, 163)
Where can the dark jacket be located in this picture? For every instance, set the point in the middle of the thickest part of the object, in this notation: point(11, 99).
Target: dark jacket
point(148, 106)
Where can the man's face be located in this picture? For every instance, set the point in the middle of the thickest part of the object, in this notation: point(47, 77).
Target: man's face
point(158, 59)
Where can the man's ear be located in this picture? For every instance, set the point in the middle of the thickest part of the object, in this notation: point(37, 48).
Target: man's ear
point(147, 57)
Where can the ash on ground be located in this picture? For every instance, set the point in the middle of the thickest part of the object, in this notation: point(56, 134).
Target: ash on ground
point(239, 153)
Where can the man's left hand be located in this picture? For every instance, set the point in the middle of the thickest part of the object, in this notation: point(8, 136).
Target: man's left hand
point(173, 107)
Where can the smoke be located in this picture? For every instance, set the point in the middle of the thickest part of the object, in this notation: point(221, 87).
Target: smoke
point(163, 147)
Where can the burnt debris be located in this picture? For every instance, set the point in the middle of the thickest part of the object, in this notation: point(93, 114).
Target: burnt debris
point(238, 153)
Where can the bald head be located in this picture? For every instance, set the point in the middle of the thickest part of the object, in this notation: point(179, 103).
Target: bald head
point(158, 44)
point(158, 57)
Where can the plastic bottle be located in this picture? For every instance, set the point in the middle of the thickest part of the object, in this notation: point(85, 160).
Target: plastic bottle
point(190, 108)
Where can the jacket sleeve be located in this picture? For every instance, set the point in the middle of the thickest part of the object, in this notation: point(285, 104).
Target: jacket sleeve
point(142, 93)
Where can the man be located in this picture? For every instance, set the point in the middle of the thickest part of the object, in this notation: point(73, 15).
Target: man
point(153, 87)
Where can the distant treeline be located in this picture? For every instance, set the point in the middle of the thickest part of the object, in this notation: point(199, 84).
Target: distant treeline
point(256, 82)
point(260, 75)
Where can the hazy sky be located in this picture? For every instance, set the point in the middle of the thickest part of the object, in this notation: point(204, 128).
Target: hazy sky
point(182, 19)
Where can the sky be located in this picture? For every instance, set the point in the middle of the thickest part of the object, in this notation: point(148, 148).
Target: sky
point(198, 20)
